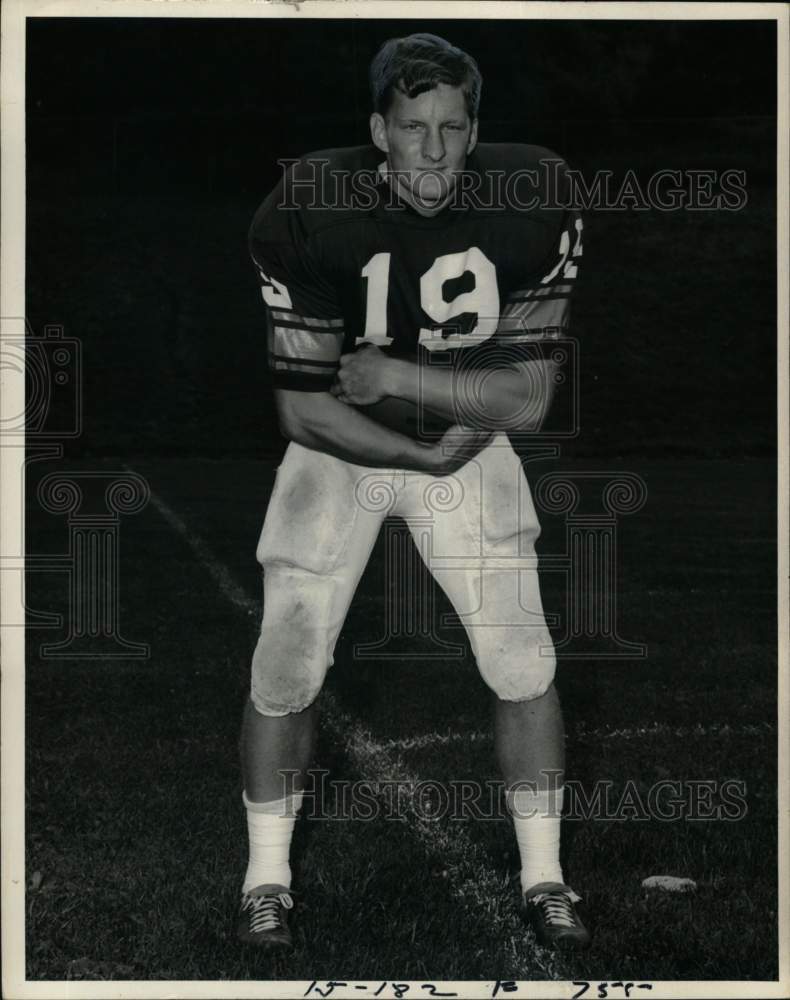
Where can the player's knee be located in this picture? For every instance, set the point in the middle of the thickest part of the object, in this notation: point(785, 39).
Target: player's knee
point(287, 674)
point(293, 651)
point(519, 671)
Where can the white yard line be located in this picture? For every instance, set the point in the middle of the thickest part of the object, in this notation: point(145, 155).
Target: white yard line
point(681, 732)
point(478, 889)
point(221, 574)
point(427, 740)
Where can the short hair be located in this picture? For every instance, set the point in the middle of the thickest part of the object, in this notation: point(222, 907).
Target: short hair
point(418, 63)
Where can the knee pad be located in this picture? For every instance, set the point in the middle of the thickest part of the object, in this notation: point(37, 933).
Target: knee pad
point(518, 664)
point(294, 648)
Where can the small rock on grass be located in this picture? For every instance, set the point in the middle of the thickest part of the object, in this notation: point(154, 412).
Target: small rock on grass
point(669, 883)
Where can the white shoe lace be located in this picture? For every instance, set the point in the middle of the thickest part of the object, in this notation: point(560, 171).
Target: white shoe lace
point(265, 911)
point(557, 908)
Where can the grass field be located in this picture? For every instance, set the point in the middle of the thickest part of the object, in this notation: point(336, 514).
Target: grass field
point(135, 828)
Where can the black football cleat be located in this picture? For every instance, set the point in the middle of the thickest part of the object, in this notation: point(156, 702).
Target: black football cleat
point(549, 909)
point(263, 917)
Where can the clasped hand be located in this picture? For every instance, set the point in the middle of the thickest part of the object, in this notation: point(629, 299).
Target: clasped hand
point(363, 376)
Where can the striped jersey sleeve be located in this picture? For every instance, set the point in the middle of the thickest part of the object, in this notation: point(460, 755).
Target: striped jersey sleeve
point(305, 326)
point(540, 309)
point(536, 314)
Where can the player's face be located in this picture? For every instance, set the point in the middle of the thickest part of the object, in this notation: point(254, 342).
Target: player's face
point(427, 139)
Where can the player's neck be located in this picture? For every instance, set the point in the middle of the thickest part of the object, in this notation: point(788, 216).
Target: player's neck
point(402, 193)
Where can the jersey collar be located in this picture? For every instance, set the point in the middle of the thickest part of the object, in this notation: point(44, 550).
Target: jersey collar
point(394, 207)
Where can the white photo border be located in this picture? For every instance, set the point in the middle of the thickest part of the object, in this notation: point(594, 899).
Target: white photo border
point(12, 304)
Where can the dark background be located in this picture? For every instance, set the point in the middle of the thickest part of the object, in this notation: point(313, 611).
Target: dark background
point(151, 142)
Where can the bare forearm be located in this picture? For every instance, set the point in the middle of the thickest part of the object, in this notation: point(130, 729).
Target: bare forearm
point(491, 398)
point(322, 423)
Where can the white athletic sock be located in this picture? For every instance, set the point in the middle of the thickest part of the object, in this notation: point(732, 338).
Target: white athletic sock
point(536, 818)
point(270, 827)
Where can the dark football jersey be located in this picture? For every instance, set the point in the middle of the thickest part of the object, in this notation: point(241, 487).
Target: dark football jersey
point(342, 260)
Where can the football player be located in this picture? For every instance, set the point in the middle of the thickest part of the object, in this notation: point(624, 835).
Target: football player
point(413, 288)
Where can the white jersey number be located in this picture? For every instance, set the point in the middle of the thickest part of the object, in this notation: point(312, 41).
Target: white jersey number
point(482, 299)
point(568, 267)
point(274, 293)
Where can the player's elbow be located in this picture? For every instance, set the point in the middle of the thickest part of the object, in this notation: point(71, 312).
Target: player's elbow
point(297, 413)
point(516, 398)
point(290, 417)
point(537, 392)
point(291, 429)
